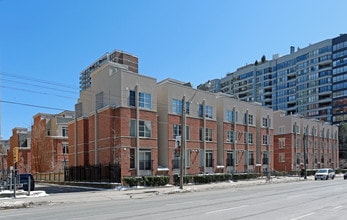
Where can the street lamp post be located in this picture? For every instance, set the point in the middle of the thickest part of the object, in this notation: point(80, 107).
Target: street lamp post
point(183, 135)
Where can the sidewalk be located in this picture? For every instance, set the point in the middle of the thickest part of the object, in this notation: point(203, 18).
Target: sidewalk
point(22, 200)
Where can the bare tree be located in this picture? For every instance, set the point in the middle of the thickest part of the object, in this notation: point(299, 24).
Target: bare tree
point(41, 154)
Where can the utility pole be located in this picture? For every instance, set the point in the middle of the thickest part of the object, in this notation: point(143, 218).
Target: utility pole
point(183, 142)
point(305, 154)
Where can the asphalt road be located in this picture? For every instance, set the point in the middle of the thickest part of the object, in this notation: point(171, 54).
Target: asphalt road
point(55, 188)
point(290, 201)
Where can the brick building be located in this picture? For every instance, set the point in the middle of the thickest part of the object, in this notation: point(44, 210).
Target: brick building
point(201, 128)
point(49, 141)
point(245, 133)
point(129, 119)
point(20, 139)
point(116, 119)
point(297, 138)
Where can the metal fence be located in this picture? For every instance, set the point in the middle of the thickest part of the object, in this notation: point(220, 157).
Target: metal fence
point(49, 177)
point(94, 173)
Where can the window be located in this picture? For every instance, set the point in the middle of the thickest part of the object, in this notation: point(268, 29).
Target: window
point(282, 142)
point(145, 160)
point(282, 130)
point(230, 136)
point(230, 159)
point(281, 158)
point(65, 148)
point(208, 111)
point(177, 106)
point(132, 98)
point(187, 158)
point(64, 131)
point(145, 99)
point(145, 128)
point(297, 158)
point(248, 120)
point(48, 132)
point(266, 139)
point(187, 132)
point(266, 122)
point(251, 158)
point(132, 158)
point(209, 159)
point(266, 158)
point(208, 134)
point(177, 131)
point(231, 116)
point(176, 162)
point(248, 138)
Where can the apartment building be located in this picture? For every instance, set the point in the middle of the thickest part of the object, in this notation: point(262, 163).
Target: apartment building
point(339, 81)
point(20, 142)
point(142, 125)
point(200, 128)
point(116, 121)
point(116, 56)
point(299, 140)
point(49, 141)
point(129, 119)
point(245, 134)
point(308, 81)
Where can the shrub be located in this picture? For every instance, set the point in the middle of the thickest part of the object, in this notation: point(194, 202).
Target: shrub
point(147, 181)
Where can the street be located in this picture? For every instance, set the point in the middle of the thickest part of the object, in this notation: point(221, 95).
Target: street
point(55, 188)
point(291, 201)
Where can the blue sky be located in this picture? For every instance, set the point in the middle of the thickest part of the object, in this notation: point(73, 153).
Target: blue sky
point(44, 44)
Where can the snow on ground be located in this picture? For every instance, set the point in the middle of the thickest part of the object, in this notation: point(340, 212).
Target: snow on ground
point(8, 194)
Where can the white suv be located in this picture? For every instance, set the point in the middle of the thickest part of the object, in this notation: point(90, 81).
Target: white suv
point(324, 174)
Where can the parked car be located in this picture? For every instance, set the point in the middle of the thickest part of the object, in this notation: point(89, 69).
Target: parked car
point(24, 181)
point(345, 175)
point(324, 174)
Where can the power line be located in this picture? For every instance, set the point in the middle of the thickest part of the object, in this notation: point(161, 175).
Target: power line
point(45, 87)
point(31, 91)
point(30, 105)
point(38, 80)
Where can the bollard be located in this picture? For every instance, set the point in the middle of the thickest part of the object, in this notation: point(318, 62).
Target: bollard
point(29, 185)
point(14, 185)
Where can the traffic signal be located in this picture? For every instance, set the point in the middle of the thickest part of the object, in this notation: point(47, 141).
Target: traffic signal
point(177, 146)
point(15, 154)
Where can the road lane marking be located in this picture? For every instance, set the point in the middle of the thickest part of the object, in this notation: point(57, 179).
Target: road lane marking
point(223, 210)
point(303, 216)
